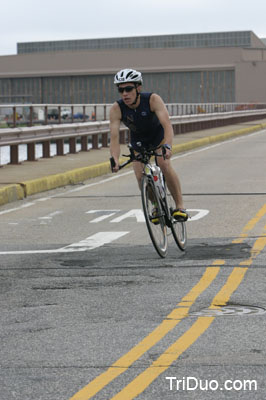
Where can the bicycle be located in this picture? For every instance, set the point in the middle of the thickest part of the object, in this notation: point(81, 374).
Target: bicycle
point(156, 196)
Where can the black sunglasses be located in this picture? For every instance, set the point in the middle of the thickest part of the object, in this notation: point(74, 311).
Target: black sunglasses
point(127, 89)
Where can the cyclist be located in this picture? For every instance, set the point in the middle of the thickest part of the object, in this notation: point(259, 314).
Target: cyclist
point(148, 120)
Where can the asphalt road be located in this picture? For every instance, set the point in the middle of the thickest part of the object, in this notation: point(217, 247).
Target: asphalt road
point(88, 309)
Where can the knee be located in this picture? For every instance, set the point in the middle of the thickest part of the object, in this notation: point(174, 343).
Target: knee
point(165, 166)
point(138, 177)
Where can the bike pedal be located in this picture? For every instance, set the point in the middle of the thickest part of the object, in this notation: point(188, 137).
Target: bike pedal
point(180, 216)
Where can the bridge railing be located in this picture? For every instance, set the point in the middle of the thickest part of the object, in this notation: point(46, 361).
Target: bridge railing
point(94, 134)
point(14, 115)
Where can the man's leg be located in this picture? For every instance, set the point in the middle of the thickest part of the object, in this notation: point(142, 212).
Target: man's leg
point(172, 181)
point(138, 168)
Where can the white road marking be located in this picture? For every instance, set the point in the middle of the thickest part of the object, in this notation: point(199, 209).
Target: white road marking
point(106, 214)
point(120, 175)
point(16, 208)
point(44, 199)
point(92, 242)
point(200, 214)
point(51, 215)
point(135, 213)
point(139, 215)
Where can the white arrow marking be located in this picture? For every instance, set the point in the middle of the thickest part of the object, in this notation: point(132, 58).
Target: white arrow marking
point(106, 214)
point(90, 243)
point(200, 214)
point(136, 213)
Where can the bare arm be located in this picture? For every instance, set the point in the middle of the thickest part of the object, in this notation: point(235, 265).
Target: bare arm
point(115, 119)
point(157, 105)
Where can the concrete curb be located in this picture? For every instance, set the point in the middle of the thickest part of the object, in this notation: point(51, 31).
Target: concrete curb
point(66, 178)
point(28, 188)
point(11, 193)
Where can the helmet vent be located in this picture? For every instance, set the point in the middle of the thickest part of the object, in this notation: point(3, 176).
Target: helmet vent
point(129, 74)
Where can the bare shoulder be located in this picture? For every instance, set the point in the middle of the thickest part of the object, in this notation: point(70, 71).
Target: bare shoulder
point(156, 102)
point(115, 112)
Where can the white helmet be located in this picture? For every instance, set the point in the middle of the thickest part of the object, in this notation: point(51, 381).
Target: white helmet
point(128, 75)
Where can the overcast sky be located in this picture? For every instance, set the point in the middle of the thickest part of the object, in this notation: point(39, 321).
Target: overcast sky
point(46, 20)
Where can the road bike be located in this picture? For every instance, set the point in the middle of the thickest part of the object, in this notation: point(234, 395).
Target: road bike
point(157, 202)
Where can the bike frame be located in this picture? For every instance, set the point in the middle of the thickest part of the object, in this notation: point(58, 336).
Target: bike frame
point(148, 171)
point(164, 211)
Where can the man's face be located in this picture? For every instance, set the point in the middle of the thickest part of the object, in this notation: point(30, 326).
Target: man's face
point(129, 92)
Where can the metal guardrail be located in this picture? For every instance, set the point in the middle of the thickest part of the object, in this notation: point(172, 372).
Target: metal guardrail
point(97, 133)
point(13, 115)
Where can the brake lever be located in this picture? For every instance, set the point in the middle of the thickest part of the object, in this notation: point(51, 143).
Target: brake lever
point(163, 152)
point(112, 163)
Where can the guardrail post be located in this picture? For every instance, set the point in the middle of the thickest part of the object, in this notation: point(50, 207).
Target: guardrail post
point(45, 115)
point(14, 154)
point(31, 116)
point(122, 137)
point(72, 114)
point(31, 152)
point(59, 115)
point(72, 145)
point(84, 143)
point(14, 117)
point(46, 149)
point(175, 128)
point(95, 141)
point(104, 139)
point(59, 147)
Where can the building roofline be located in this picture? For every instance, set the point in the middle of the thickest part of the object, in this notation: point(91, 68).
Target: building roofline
point(139, 36)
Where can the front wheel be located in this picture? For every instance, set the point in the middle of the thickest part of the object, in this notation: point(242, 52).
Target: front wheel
point(179, 232)
point(150, 202)
point(178, 229)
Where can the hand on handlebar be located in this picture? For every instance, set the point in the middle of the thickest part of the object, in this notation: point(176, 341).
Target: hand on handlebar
point(143, 156)
point(114, 165)
point(167, 153)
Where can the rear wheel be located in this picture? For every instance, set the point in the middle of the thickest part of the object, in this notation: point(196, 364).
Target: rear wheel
point(158, 231)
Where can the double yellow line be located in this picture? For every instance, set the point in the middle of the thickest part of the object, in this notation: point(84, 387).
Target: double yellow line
point(144, 379)
point(172, 319)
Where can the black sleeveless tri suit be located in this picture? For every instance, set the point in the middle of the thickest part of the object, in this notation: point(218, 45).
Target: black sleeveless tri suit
point(143, 124)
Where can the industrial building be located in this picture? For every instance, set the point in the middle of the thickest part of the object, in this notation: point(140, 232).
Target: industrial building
point(182, 68)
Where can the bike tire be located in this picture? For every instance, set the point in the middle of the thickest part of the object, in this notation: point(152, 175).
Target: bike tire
point(178, 228)
point(179, 231)
point(158, 233)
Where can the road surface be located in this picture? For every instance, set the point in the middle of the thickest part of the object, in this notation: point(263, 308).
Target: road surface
point(89, 310)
